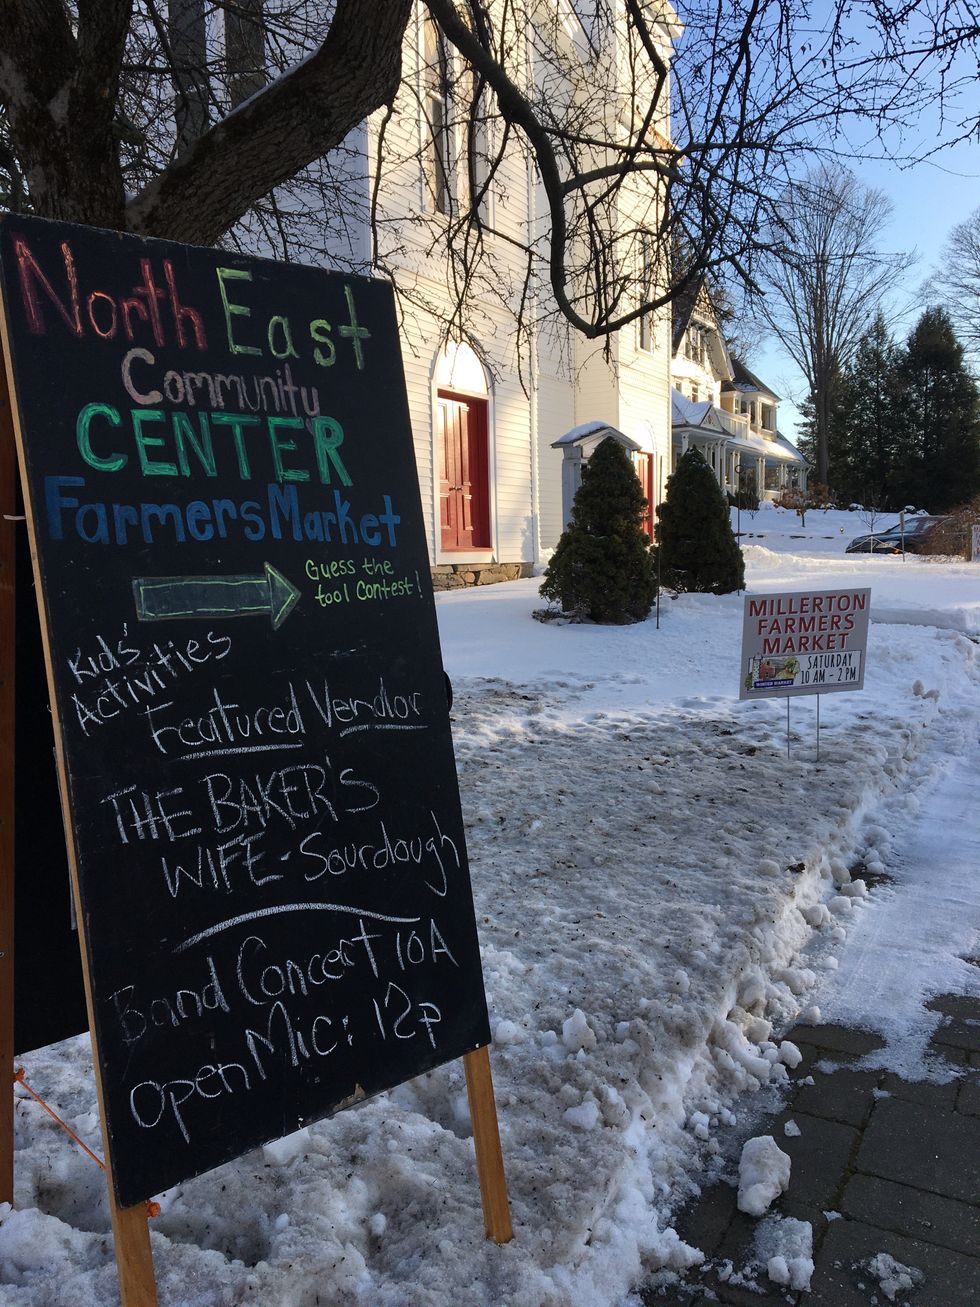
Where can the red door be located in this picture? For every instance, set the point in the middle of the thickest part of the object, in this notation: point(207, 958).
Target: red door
point(644, 470)
point(464, 479)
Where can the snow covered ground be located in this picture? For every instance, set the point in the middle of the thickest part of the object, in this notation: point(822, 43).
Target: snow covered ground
point(659, 890)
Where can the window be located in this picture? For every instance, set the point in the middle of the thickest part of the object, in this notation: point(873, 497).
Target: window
point(696, 345)
point(437, 154)
point(478, 151)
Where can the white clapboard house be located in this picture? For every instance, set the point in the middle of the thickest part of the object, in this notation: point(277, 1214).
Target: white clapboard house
point(502, 418)
point(723, 410)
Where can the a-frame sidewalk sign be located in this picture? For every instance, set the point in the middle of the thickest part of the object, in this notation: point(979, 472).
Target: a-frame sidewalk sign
point(251, 733)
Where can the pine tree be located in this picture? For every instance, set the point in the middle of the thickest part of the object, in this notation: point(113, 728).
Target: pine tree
point(805, 438)
point(866, 429)
point(939, 464)
point(698, 550)
point(602, 567)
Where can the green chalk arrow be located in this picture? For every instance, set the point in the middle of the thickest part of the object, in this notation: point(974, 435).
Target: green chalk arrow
point(163, 598)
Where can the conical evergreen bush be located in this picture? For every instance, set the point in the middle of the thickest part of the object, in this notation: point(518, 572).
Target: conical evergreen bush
point(602, 567)
point(698, 549)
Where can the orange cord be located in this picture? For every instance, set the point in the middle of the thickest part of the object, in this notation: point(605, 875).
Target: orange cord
point(152, 1208)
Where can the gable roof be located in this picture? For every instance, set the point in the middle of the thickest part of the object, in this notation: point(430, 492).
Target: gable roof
point(683, 308)
point(745, 381)
point(696, 303)
point(700, 413)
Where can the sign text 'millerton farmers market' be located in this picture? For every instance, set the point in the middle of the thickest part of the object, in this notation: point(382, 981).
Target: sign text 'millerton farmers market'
point(808, 642)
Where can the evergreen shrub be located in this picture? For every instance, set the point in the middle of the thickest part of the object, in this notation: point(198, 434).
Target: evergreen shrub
point(698, 550)
point(602, 567)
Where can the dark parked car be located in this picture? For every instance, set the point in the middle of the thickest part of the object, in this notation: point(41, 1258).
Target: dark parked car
point(917, 533)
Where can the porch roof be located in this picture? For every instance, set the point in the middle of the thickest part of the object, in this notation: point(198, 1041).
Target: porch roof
point(703, 422)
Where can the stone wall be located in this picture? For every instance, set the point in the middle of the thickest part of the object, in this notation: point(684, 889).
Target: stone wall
point(453, 576)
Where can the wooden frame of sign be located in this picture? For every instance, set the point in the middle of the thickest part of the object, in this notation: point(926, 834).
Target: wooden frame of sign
point(8, 480)
point(94, 300)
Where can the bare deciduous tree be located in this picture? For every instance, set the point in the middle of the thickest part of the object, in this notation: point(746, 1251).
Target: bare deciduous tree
point(957, 283)
point(637, 130)
point(824, 278)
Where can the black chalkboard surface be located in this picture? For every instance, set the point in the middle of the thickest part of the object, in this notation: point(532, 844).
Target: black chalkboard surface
point(268, 839)
point(50, 998)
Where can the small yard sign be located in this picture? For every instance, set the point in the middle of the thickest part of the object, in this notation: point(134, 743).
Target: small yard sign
point(807, 642)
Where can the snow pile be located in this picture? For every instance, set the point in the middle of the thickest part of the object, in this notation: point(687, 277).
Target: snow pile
point(785, 1247)
point(892, 1276)
point(763, 1174)
point(657, 887)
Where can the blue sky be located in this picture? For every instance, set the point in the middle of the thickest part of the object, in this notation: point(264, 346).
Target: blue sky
point(929, 198)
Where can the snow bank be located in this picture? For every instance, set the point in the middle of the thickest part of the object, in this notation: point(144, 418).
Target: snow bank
point(653, 880)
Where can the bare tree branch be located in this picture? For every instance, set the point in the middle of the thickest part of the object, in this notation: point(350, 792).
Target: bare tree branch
point(270, 137)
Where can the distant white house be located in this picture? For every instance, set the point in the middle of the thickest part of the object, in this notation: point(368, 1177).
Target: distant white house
point(722, 409)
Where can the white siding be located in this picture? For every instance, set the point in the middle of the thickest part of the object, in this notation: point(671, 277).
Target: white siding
point(560, 381)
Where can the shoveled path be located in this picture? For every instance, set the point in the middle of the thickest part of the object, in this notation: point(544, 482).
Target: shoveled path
point(895, 1164)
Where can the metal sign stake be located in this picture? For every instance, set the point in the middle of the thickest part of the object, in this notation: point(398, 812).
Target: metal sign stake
point(658, 587)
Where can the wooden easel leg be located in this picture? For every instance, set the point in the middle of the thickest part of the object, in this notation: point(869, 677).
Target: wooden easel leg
point(486, 1138)
point(8, 499)
point(134, 1260)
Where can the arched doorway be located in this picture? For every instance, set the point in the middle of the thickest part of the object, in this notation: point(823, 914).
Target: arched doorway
point(462, 452)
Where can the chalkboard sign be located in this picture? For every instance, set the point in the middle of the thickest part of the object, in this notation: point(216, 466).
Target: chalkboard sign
point(50, 1002)
point(265, 815)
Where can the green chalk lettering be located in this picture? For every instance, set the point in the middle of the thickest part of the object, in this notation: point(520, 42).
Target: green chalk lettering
point(202, 446)
point(280, 446)
point(82, 427)
point(280, 325)
point(232, 309)
point(328, 436)
point(354, 332)
point(237, 421)
point(320, 331)
point(144, 442)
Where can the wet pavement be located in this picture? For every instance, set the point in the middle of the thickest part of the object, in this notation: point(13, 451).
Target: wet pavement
point(881, 1165)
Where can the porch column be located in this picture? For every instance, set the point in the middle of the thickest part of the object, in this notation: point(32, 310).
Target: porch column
point(723, 465)
point(760, 475)
point(804, 471)
point(684, 442)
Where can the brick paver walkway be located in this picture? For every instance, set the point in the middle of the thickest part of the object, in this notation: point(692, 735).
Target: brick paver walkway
point(898, 1161)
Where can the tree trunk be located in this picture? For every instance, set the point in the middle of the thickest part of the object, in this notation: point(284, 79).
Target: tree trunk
point(59, 87)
